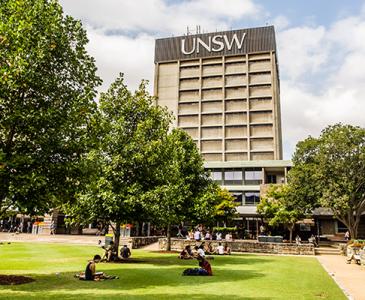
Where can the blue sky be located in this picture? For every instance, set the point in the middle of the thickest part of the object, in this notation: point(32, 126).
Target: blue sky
point(321, 49)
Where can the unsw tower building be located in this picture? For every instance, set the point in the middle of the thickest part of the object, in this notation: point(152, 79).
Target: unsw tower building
point(223, 89)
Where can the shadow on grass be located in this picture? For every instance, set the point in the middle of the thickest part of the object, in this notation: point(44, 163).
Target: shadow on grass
point(173, 260)
point(147, 296)
point(141, 278)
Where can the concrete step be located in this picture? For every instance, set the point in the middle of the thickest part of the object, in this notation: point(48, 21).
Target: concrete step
point(327, 251)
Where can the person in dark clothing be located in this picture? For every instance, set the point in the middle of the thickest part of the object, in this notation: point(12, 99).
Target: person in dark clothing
point(125, 252)
point(186, 253)
point(90, 273)
point(205, 266)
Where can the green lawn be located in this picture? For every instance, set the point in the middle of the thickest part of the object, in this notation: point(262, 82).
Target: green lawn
point(159, 276)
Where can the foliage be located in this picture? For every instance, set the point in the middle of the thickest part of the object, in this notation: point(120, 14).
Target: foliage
point(278, 208)
point(331, 169)
point(47, 89)
point(182, 182)
point(217, 204)
point(225, 229)
point(130, 129)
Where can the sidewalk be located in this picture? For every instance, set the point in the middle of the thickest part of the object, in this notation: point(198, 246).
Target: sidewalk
point(351, 278)
point(58, 238)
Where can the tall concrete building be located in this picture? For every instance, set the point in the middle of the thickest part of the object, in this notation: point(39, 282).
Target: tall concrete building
point(223, 89)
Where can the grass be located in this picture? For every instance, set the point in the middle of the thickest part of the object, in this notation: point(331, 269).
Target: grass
point(159, 276)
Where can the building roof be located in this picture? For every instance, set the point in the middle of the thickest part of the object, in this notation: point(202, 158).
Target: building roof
point(261, 39)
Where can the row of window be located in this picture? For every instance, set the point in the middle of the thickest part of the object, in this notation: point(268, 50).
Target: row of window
point(237, 176)
point(246, 198)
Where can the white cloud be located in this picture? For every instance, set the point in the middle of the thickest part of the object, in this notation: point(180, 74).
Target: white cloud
point(323, 78)
point(115, 54)
point(302, 50)
point(281, 22)
point(122, 33)
point(159, 15)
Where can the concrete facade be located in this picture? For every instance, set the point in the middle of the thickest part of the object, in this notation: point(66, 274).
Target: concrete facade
point(228, 103)
point(223, 89)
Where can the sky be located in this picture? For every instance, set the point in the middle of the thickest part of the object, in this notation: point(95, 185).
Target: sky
point(320, 44)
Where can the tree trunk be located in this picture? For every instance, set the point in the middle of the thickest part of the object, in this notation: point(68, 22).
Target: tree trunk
point(353, 231)
point(290, 234)
point(352, 224)
point(117, 236)
point(168, 233)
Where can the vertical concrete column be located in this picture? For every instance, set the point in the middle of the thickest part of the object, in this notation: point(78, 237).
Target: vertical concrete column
point(200, 104)
point(248, 109)
point(223, 110)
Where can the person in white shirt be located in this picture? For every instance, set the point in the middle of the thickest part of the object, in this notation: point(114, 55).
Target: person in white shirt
point(197, 235)
point(220, 249)
point(200, 250)
point(228, 237)
point(219, 236)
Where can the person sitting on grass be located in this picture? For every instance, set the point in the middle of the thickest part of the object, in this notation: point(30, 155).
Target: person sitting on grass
point(90, 273)
point(125, 252)
point(220, 249)
point(200, 250)
point(227, 250)
point(186, 253)
point(208, 248)
point(108, 254)
point(205, 266)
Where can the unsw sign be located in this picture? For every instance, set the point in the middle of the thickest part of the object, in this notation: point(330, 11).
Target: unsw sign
point(215, 43)
point(233, 42)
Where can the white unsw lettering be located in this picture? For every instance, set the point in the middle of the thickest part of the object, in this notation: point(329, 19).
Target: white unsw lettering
point(234, 39)
point(220, 41)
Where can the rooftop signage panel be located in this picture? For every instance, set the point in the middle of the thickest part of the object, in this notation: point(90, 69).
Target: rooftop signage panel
point(223, 43)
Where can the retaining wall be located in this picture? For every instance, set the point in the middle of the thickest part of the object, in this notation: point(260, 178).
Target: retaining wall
point(245, 246)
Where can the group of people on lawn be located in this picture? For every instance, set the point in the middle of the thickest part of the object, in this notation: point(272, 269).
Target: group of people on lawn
point(111, 254)
point(203, 249)
point(199, 234)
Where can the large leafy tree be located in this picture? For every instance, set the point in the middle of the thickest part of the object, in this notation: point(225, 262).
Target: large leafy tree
point(336, 162)
point(182, 183)
point(47, 87)
point(277, 206)
point(216, 205)
point(131, 129)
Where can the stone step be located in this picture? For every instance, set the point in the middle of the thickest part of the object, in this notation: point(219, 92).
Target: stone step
point(327, 251)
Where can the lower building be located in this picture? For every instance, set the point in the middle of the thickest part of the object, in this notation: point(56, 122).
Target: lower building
point(247, 181)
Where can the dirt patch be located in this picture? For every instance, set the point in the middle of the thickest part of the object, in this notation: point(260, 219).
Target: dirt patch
point(166, 252)
point(14, 279)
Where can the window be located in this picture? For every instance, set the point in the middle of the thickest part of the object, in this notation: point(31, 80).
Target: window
point(341, 227)
point(253, 176)
point(238, 198)
point(252, 198)
point(233, 177)
point(216, 175)
point(271, 178)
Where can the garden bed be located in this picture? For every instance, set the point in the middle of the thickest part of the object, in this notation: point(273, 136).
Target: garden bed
point(14, 279)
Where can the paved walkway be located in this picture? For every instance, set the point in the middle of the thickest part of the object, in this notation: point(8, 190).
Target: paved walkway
point(58, 238)
point(351, 278)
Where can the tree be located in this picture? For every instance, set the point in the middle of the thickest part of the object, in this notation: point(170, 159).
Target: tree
point(47, 89)
point(181, 182)
point(336, 161)
point(131, 129)
point(278, 208)
point(216, 205)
